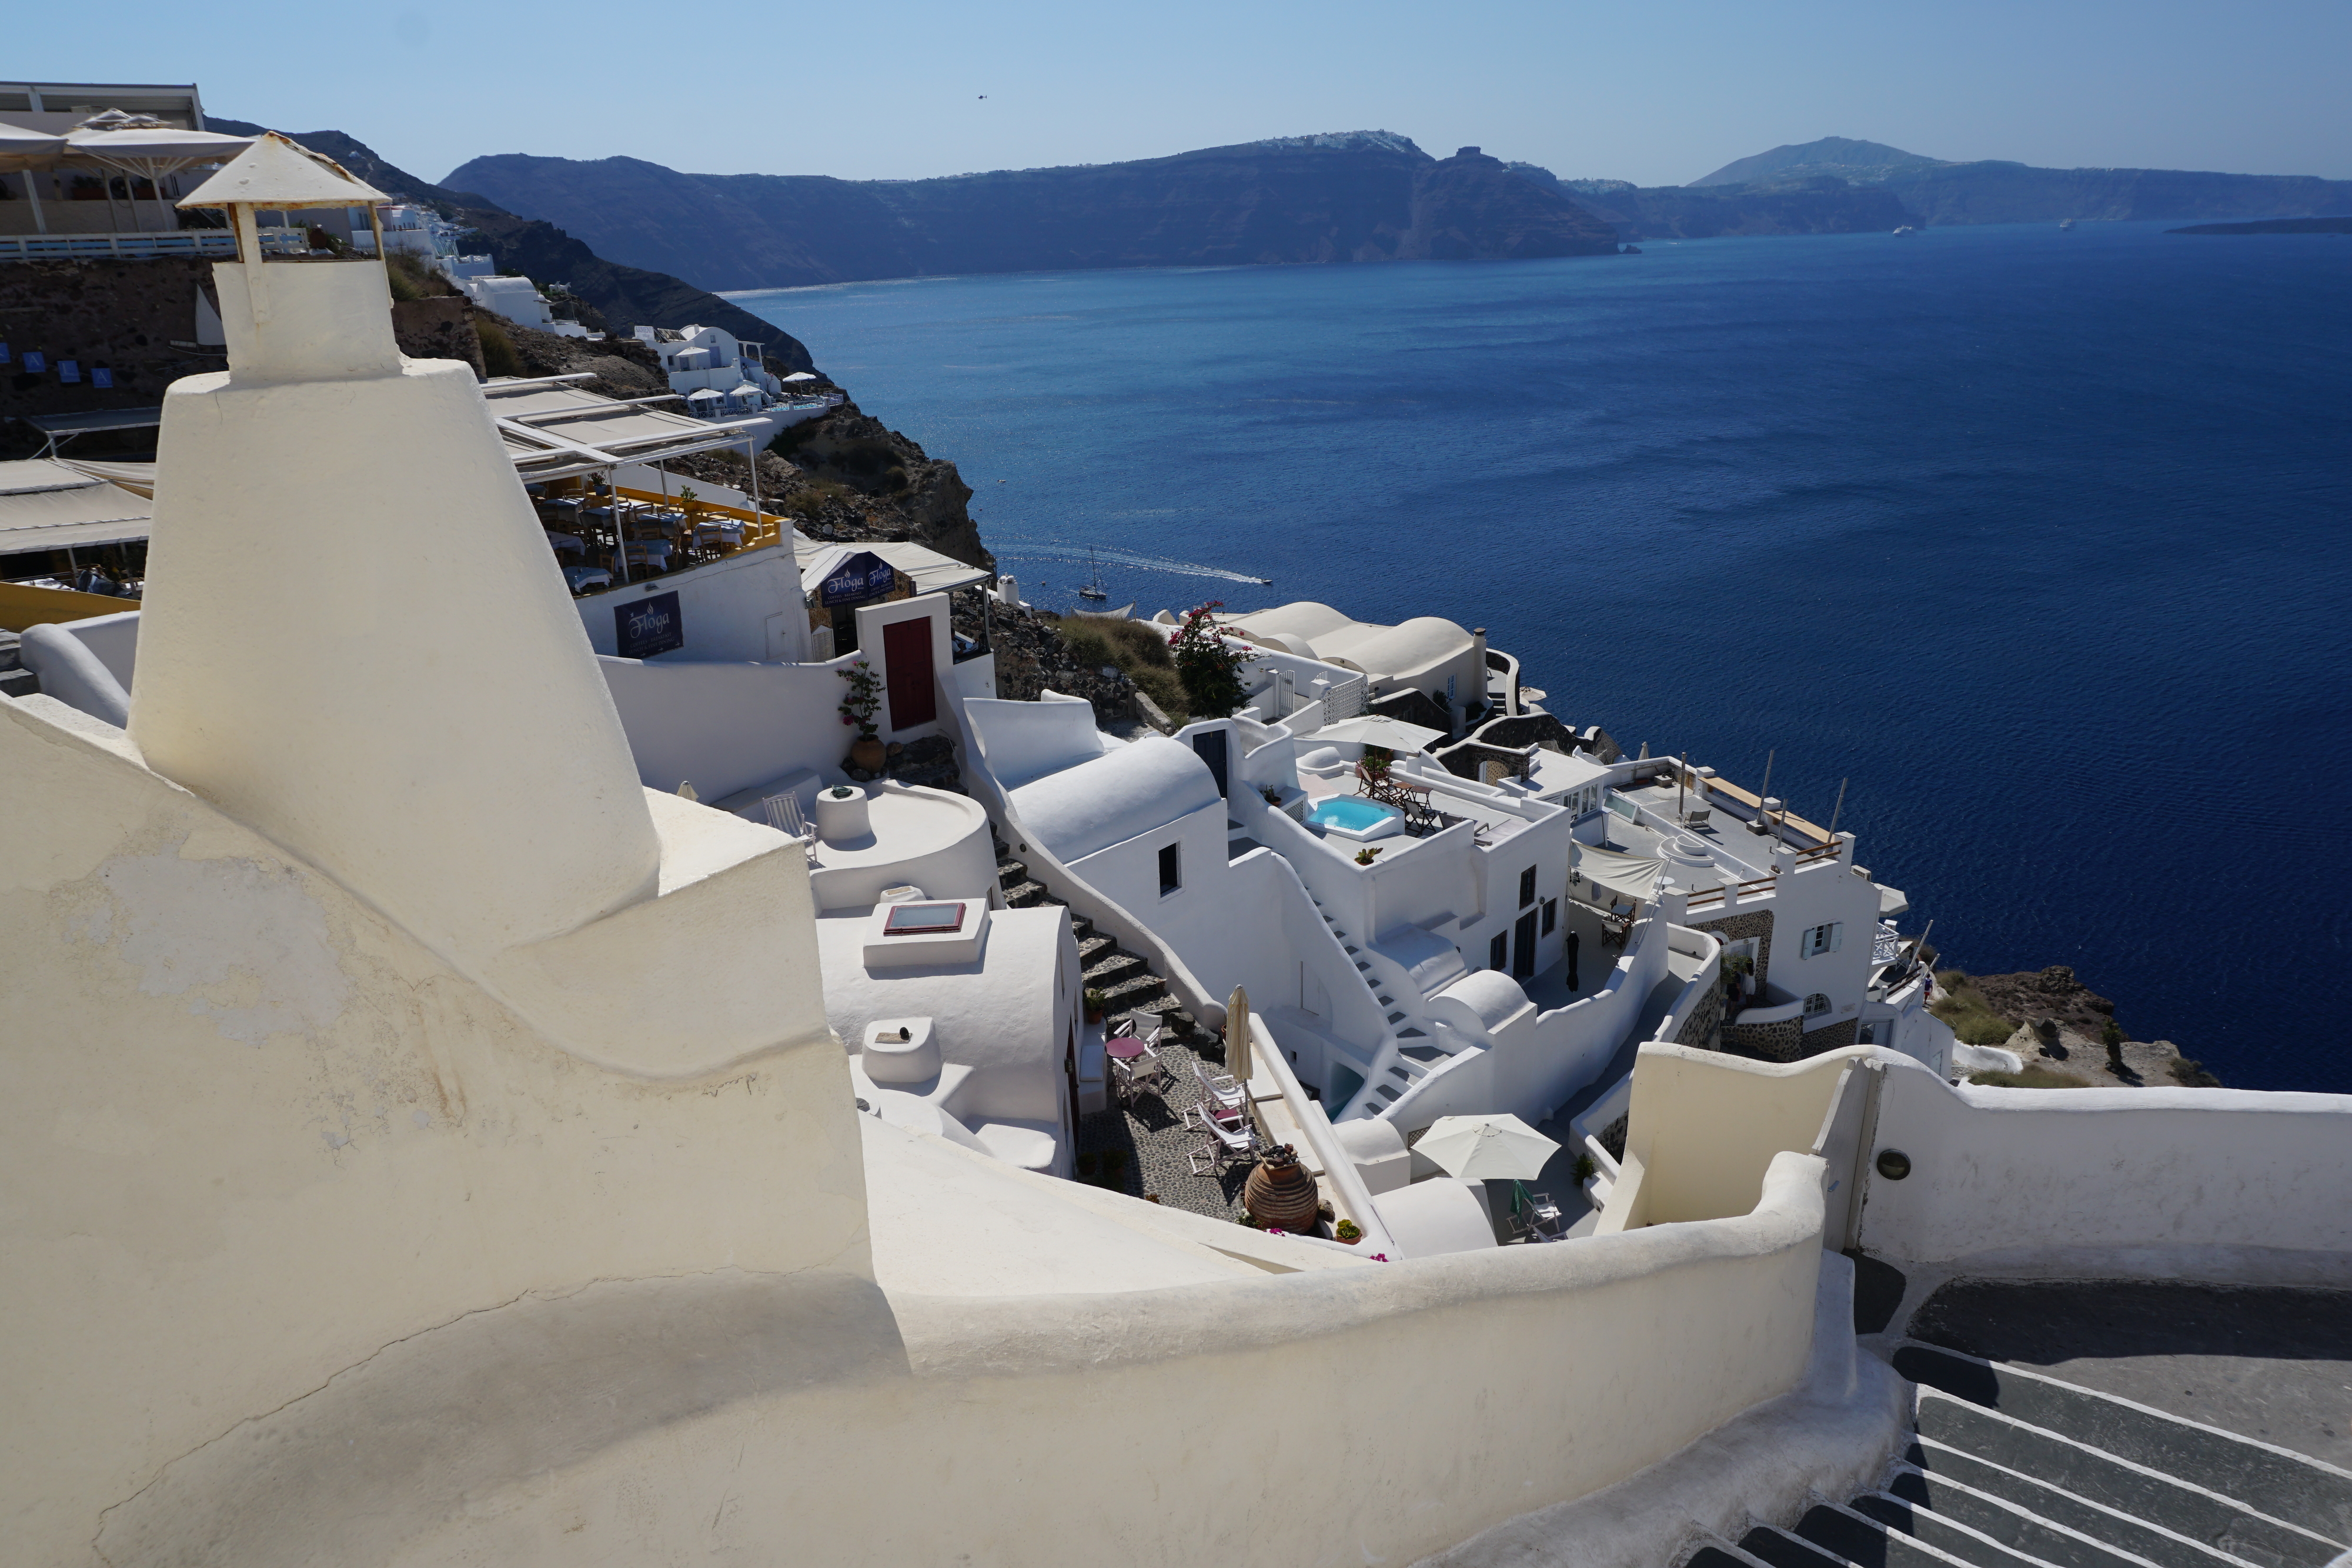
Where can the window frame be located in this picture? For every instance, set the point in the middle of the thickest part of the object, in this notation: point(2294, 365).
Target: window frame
point(1171, 859)
point(1498, 950)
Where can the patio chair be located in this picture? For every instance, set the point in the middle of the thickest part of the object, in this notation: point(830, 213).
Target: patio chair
point(1220, 1087)
point(784, 813)
point(1226, 1145)
point(1540, 1215)
point(1134, 1075)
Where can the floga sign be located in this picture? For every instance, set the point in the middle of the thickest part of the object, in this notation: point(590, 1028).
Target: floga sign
point(862, 577)
point(650, 626)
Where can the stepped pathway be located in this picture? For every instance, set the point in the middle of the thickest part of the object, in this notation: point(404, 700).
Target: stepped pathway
point(1140, 1150)
point(2014, 1468)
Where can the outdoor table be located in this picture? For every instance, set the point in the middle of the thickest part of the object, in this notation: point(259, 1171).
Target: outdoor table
point(1123, 1047)
point(578, 577)
point(567, 544)
point(655, 551)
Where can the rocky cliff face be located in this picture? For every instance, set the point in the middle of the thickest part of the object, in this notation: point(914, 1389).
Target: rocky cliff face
point(1361, 196)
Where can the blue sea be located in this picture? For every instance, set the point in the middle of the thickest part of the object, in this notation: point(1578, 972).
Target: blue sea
point(2035, 539)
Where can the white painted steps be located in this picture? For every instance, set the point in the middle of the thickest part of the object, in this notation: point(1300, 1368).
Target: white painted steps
point(2014, 1468)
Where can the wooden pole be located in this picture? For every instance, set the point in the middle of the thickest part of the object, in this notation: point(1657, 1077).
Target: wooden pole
point(1840, 808)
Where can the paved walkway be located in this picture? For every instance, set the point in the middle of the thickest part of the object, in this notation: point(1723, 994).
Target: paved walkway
point(1149, 1140)
point(2269, 1363)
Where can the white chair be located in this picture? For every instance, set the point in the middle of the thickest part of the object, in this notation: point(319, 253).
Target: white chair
point(1226, 1145)
point(784, 816)
point(1220, 1087)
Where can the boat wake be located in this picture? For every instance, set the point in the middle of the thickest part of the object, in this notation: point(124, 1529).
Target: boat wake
point(1077, 555)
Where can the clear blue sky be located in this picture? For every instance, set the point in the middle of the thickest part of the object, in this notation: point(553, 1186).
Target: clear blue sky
point(1658, 93)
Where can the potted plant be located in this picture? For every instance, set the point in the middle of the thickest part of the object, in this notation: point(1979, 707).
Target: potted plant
point(1364, 856)
point(1093, 1005)
point(1377, 759)
point(858, 708)
point(1272, 795)
point(1349, 1231)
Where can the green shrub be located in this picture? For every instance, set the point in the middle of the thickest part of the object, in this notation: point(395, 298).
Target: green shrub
point(1137, 649)
point(499, 356)
point(1964, 1008)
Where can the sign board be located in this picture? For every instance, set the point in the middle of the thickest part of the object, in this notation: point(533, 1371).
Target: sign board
point(861, 577)
point(647, 626)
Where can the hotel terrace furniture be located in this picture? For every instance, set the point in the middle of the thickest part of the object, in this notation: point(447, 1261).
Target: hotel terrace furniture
point(1226, 1145)
point(1219, 1088)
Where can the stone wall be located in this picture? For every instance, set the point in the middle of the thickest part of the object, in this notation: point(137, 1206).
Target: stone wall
point(1830, 1037)
point(1736, 928)
point(1702, 1031)
point(1782, 1042)
point(137, 318)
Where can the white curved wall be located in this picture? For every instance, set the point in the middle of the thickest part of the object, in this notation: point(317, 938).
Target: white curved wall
point(253, 1134)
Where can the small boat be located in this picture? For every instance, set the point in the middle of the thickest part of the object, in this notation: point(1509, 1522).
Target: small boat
point(1906, 229)
point(2065, 223)
point(1094, 587)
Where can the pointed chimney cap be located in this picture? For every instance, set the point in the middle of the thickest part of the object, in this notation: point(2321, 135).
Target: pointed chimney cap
point(276, 172)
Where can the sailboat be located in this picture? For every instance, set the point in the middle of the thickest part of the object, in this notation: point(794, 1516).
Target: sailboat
point(1094, 587)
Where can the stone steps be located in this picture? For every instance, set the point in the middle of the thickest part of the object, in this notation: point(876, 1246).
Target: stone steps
point(2014, 1468)
point(1127, 983)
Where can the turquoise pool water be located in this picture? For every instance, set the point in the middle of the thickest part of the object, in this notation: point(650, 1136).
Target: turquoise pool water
point(1354, 815)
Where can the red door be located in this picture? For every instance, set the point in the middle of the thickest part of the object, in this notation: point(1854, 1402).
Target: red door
point(907, 672)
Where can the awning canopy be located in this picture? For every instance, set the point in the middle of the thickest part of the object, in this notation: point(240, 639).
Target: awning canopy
point(48, 504)
point(553, 429)
point(930, 572)
point(1636, 876)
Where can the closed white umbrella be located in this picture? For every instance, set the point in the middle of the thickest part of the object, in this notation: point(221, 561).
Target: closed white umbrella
point(1483, 1148)
point(1237, 1036)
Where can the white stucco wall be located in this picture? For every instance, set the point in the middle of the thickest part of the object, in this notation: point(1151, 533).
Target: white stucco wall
point(254, 1134)
point(726, 727)
point(297, 705)
point(723, 1418)
point(748, 606)
point(2132, 1181)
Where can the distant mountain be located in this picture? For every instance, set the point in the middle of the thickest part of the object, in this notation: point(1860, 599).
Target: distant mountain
point(1351, 196)
point(2338, 226)
point(627, 296)
point(1819, 205)
point(1834, 155)
point(1991, 193)
point(1937, 191)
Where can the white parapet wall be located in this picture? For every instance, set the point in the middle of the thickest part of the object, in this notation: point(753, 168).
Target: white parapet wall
point(2098, 1183)
point(2218, 1183)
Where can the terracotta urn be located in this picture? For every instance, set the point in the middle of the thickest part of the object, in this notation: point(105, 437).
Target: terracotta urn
point(868, 754)
point(1280, 1194)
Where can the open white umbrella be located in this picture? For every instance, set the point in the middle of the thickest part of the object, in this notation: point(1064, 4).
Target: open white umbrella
point(143, 146)
point(22, 151)
point(1483, 1148)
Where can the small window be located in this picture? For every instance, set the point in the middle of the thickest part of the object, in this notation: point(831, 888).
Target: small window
point(1816, 1004)
point(1526, 887)
point(1498, 951)
point(1821, 939)
point(1172, 869)
point(1552, 916)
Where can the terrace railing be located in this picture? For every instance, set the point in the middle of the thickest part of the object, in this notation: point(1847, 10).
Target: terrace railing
point(221, 243)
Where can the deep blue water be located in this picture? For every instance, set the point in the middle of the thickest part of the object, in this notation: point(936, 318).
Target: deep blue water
point(2037, 538)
